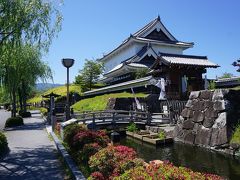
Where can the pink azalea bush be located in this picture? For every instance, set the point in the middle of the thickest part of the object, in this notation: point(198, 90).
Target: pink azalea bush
point(114, 160)
point(70, 131)
point(163, 171)
point(87, 136)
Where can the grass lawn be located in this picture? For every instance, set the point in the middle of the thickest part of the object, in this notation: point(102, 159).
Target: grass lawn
point(236, 88)
point(236, 135)
point(61, 90)
point(100, 102)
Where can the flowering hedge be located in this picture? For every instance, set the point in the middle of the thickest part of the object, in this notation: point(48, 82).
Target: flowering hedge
point(165, 170)
point(83, 143)
point(113, 161)
point(91, 151)
point(70, 131)
point(87, 136)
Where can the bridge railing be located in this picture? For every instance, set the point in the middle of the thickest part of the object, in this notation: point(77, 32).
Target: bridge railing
point(112, 116)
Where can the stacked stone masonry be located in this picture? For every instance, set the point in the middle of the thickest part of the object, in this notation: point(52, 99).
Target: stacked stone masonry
point(208, 118)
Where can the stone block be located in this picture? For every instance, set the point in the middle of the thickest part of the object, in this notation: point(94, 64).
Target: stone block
point(194, 94)
point(152, 128)
point(214, 137)
point(208, 122)
point(198, 116)
point(210, 113)
point(186, 113)
point(147, 128)
point(188, 124)
point(198, 106)
point(208, 104)
point(221, 121)
point(222, 136)
point(196, 127)
point(219, 105)
point(203, 136)
point(206, 94)
point(155, 129)
point(217, 95)
point(178, 133)
point(219, 137)
point(189, 137)
point(176, 130)
point(189, 104)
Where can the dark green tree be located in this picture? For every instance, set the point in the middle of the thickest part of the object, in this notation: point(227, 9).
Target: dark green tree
point(226, 75)
point(89, 75)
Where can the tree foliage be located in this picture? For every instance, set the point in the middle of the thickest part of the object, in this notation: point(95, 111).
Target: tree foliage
point(141, 73)
point(226, 75)
point(89, 74)
point(27, 28)
point(31, 21)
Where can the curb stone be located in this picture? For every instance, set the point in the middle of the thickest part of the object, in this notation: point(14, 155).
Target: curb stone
point(67, 159)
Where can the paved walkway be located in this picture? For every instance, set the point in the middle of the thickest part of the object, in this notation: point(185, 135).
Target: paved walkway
point(3, 117)
point(32, 154)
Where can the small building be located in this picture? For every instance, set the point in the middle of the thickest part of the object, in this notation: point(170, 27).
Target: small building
point(155, 50)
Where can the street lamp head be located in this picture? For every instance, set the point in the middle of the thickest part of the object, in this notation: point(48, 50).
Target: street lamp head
point(67, 62)
point(234, 63)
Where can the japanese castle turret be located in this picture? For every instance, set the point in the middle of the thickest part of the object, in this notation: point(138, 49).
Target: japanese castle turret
point(155, 50)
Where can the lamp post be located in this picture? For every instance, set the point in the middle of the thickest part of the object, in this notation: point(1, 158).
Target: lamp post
point(67, 62)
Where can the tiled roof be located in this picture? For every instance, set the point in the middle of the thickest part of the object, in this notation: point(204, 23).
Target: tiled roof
point(177, 43)
point(149, 25)
point(188, 60)
point(122, 65)
point(121, 86)
point(137, 37)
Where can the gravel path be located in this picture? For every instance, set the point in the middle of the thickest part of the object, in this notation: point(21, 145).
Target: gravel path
point(32, 154)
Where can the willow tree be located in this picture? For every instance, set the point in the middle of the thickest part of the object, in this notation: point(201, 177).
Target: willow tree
point(23, 22)
point(31, 69)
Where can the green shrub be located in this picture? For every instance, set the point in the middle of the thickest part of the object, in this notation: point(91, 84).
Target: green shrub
point(3, 144)
point(138, 173)
point(24, 114)
point(14, 121)
point(212, 85)
point(236, 135)
point(132, 127)
point(44, 111)
point(162, 135)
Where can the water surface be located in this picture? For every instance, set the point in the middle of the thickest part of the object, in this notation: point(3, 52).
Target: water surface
point(196, 158)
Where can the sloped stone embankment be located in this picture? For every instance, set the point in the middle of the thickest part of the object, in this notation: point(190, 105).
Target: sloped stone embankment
point(209, 119)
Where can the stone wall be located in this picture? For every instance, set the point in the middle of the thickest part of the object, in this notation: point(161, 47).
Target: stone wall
point(209, 118)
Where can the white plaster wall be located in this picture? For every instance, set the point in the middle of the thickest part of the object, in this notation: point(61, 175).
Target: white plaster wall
point(165, 49)
point(135, 48)
point(118, 58)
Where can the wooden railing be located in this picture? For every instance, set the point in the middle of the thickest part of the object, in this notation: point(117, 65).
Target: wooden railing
point(112, 116)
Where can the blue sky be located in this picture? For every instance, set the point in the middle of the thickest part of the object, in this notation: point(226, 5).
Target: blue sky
point(91, 28)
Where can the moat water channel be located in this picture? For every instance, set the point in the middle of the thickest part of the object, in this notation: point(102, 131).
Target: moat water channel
point(196, 158)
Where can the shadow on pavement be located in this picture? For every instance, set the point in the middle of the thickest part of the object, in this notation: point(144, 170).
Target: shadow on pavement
point(27, 126)
point(27, 163)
